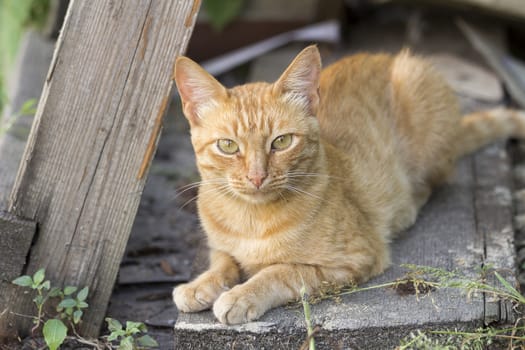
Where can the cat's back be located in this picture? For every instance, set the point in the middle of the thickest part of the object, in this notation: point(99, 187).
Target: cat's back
point(354, 91)
point(355, 77)
point(379, 101)
point(381, 105)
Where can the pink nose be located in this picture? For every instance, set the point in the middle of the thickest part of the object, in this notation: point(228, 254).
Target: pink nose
point(257, 180)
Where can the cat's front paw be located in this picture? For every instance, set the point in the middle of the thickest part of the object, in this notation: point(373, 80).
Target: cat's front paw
point(197, 295)
point(234, 307)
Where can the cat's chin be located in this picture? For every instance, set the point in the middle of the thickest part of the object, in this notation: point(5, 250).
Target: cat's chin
point(259, 197)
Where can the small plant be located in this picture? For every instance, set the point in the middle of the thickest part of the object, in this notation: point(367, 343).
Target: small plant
point(70, 304)
point(421, 341)
point(130, 337)
point(69, 308)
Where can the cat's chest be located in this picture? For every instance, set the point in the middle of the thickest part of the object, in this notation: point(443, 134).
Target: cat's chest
point(250, 251)
point(253, 241)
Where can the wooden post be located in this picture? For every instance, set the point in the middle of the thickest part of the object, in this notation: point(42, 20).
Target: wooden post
point(91, 145)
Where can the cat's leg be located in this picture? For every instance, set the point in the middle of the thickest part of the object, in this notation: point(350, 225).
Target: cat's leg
point(201, 293)
point(272, 286)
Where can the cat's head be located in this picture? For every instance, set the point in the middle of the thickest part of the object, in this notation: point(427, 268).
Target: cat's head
point(256, 140)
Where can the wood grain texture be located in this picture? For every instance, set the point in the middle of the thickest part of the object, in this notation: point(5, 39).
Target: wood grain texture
point(16, 236)
point(108, 82)
point(494, 217)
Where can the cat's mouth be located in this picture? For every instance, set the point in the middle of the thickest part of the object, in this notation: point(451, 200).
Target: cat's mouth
point(257, 195)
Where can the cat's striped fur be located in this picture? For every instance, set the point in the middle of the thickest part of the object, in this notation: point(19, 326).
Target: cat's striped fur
point(370, 136)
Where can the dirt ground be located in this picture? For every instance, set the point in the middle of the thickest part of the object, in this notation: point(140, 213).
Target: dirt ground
point(166, 232)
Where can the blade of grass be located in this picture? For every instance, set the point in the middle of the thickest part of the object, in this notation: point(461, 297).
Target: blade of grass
point(307, 316)
point(517, 295)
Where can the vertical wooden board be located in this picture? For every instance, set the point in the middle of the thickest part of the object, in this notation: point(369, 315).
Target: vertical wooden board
point(94, 135)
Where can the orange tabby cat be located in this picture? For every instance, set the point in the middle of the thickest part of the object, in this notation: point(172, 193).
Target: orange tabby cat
point(307, 179)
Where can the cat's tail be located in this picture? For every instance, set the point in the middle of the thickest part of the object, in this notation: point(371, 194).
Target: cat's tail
point(481, 128)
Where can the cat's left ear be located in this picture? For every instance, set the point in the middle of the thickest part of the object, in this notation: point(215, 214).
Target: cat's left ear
point(300, 81)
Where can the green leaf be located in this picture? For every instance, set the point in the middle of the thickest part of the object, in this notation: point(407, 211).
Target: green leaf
point(23, 281)
point(67, 303)
point(70, 290)
point(54, 292)
point(82, 295)
point(113, 325)
point(39, 276)
point(46, 285)
point(116, 334)
point(135, 327)
point(517, 295)
point(28, 108)
point(222, 12)
point(38, 300)
point(147, 342)
point(126, 344)
point(82, 304)
point(77, 316)
point(54, 333)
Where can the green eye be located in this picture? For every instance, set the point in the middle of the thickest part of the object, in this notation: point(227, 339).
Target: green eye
point(282, 142)
point(227, 146)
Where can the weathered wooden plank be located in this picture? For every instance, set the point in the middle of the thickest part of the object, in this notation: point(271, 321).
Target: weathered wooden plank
point(16, 236)
point(14, 245)
point(94, 135)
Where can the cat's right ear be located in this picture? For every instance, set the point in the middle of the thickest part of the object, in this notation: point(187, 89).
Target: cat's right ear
point(197, 88)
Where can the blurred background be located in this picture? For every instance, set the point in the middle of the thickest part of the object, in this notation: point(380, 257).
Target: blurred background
point(228, 25)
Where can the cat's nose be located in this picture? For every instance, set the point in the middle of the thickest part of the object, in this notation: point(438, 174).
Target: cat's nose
point(257, 179)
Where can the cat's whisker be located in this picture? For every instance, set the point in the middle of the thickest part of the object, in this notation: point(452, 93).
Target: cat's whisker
point(202, 182)
point(298, 175)
point(224, 189)
point(183, 189)
point(300, 191)
point(283, 197)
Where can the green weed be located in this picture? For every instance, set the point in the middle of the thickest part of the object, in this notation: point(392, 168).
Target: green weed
point(70, 305)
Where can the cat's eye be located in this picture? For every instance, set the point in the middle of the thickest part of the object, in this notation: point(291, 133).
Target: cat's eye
point(282, 142)
point(227, 146)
